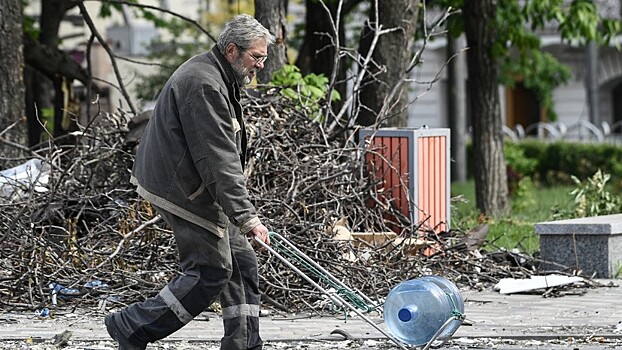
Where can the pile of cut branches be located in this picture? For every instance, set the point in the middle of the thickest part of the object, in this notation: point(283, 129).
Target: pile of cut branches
point(85, 236)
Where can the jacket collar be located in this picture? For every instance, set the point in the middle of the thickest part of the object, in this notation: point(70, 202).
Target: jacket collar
point(224, 66)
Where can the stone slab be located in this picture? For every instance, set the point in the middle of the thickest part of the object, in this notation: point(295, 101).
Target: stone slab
point(596, 225)
point(591, 245)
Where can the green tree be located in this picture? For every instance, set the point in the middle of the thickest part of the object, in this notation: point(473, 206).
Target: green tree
point(489, 163)
point(367, 44)
point(503, 34)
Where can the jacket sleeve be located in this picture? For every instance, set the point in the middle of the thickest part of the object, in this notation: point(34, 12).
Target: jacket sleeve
point(210, 135)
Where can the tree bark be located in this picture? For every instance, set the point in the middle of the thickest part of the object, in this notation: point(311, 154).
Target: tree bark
point(317, 52)
point(50, 61)
point(456, 108)
point(591, 82)
point(383, 95)
point(52, 13)
point(44, 65)
point(11, 79)
point(271, 14)
point(491, 187)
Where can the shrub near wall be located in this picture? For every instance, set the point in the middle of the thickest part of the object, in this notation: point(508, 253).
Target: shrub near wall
point(555, 162)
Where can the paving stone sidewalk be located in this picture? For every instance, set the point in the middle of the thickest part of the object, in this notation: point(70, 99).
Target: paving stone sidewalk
point(592, 315)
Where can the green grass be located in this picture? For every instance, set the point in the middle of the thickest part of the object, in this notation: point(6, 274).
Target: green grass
point(530, 206)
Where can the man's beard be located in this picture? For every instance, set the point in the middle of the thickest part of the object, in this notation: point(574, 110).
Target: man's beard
point(241, 72)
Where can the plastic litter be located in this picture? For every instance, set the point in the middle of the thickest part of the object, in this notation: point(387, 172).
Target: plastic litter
point(511, 285)
point(18, 180)
point(422, 310)
point(45, 312)
point(59, 291)
point(96, 284)
point(113, 298)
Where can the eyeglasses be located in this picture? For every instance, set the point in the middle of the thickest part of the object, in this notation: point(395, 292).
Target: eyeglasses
point(258, 60)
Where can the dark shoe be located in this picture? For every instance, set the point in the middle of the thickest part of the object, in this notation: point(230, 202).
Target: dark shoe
point(115, 333)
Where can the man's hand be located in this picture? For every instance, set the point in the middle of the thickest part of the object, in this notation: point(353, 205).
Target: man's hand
point(260, 231)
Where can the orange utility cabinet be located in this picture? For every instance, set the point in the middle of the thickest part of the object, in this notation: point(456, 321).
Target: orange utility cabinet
point(412, 166)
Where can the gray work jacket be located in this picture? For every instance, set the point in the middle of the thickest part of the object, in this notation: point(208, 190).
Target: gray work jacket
point(191, 157)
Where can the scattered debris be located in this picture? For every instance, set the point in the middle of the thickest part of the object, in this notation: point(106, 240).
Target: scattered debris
point(90, 225)
point(18, 181)
point(61, 340)
point(473, 239)
point(534, 283)
point(43, 313)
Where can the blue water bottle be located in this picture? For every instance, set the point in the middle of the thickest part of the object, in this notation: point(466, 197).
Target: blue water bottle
point(422, 309)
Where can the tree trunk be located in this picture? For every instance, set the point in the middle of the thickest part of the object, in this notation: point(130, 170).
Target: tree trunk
point(491, 187)
point(39, 95)
point(317, 52)
point(383, 95)
point(456, 108)
point(271, 13)
point(52, 13)
point(11, 79)
point(591, 82)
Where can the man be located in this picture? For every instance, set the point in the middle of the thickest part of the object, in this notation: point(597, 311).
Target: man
point(189, 165)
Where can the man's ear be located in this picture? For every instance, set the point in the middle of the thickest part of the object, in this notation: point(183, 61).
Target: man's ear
point(231, 52)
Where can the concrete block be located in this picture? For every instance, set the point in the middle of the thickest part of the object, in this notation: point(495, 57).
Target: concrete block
point(592, 245)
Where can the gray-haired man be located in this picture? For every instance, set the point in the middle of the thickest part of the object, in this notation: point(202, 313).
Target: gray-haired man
point(190, 166)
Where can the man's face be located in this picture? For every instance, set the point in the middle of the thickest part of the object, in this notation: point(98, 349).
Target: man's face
point(248, 61)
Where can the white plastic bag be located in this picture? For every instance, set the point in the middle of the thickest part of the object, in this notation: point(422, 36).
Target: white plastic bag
point(33, 174)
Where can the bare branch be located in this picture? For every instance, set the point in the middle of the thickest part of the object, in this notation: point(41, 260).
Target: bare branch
point(156, 8)
point(94, 31)
point(51, 61)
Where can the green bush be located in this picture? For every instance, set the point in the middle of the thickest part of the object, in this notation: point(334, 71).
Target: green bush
point(307, 91)
point(592, 198)
point(555, 163)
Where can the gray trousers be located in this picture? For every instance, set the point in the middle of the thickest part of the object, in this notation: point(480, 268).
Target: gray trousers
point(211, 267)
